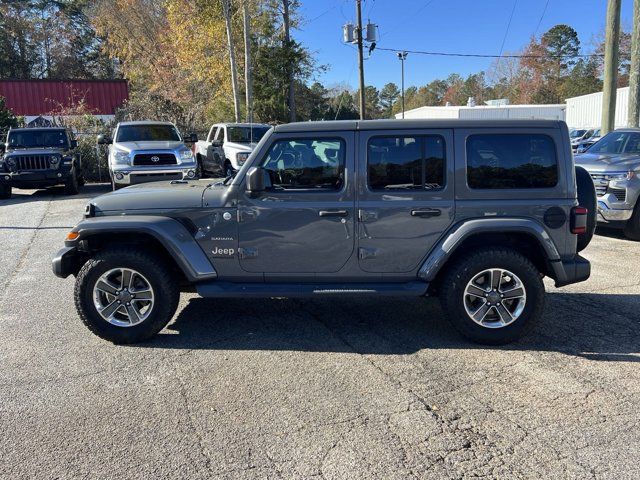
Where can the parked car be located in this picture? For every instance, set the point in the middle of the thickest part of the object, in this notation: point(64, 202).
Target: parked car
point(614, 164)
point(227, 147)
point(145, 151)
point(352, 208)
point(583, 145)
point(577, 139)
point(38, 158)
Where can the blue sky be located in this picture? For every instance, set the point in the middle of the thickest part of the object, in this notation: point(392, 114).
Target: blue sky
point(461, 26)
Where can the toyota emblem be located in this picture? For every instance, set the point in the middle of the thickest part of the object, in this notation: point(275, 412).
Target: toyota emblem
point(155, 159)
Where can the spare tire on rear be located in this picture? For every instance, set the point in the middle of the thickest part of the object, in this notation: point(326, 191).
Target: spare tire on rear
point(587, 199)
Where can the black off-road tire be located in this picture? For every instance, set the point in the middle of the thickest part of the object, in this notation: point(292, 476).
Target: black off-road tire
point(165, 289)
point(228, 169)
point(72, 185)
point(5, 192)
point(200, 171)
point(586, 198)
point(460, 273)
point(632, 227)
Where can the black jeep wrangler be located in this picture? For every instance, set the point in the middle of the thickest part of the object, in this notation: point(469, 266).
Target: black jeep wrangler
point(38, 158)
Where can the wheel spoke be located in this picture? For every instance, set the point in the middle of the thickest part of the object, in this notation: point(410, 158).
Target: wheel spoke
point(481, 312)
point(505, 315)
point(143, 295)
point(476, 291)
point(496, 277)
point(133, 314)
point(517, 292)
point(106, 287)
point(127, 277)
point(110, 309)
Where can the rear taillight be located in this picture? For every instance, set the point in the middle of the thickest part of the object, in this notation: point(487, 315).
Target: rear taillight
point(579, 220)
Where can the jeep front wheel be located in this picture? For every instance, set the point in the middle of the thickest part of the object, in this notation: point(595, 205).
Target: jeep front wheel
point(493, 296)
point(71, 185)
point(125, 296)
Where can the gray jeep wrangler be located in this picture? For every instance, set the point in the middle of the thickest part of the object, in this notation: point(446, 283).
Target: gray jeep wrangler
point(476, 212)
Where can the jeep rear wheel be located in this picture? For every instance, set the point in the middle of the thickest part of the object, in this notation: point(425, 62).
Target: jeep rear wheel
point(5, 192)
point(492, 296)
point(125, 296)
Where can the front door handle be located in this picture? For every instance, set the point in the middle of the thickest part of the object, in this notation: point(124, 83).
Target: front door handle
point(426, 212)
point(333, 213)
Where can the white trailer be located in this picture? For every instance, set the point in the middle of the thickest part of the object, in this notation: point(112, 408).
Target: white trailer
point(545, 112)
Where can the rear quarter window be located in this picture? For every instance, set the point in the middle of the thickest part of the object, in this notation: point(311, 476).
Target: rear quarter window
point(511, 161)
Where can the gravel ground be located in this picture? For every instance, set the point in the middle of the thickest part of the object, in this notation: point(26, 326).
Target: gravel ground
point(308, 388)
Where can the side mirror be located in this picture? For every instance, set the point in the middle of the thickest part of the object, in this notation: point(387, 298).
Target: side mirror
point(104, 140)
point(74, 144)
point(191, 138)
point(257, 180)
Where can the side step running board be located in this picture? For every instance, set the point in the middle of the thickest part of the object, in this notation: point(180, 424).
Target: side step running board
point(216, 289)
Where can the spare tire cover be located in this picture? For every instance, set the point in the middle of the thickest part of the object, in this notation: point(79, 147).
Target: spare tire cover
point(586, 198)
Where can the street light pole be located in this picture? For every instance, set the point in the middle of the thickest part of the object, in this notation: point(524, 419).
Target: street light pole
point(402, 56)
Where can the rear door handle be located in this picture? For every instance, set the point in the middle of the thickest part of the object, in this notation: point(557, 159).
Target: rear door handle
point(426, 212)
point(333, 213)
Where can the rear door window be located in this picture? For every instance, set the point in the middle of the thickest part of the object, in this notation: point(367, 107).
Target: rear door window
point(406, 162)
point(511, 161)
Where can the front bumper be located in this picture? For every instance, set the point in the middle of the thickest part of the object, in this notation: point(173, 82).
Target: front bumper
point(35, 178)
point(607, 214)
point(572, 270)
point(67, 261)
point(134, 175)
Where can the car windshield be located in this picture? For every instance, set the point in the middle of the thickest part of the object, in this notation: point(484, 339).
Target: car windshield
point(150, 132)
point(246, 134)
point(37, 138)
point(618, 142)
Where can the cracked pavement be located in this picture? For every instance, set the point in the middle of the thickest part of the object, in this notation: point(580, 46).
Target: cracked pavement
point(360, 388)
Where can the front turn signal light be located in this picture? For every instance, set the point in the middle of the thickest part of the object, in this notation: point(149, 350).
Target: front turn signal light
point(72, 236)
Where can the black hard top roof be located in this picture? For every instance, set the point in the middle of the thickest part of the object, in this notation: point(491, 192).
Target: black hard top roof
point(392, 124)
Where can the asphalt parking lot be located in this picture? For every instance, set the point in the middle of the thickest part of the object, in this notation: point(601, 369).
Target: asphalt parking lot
point(300, 388)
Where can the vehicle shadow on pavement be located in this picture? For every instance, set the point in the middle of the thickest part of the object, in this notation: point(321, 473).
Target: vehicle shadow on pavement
point(612, 233)
point(602, 327)
point(90, 190)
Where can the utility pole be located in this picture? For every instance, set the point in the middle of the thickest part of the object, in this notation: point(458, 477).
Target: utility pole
point(226, 9)
point(360, 56)
point(634, 72)
point(248, 81)
point(612, 41)
point(403, 56)
point(291, 96)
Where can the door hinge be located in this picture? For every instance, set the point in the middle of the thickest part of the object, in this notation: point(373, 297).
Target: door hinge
point(248, 252)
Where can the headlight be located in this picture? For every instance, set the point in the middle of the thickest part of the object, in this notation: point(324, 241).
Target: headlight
point(121, 157)
point(242, 157)
point(54, 159)
point(186, 154)
point(11, 161)
point(621, 175)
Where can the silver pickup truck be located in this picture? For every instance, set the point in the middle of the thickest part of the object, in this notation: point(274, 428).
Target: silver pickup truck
point(142, 152)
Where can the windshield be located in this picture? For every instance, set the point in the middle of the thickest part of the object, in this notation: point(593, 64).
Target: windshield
point(246, 134)
point(618, 142)
point(145, 133)
point(577, 133)
point(37, 138)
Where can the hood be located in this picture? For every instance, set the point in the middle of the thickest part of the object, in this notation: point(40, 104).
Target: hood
point(35, 151)
point(150, 145)
point(165, 196)
point(601, 162)
point(241, 147)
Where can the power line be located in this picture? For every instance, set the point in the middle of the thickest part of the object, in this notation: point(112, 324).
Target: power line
point(541, 17)
point(506, 32)
point(478, 55)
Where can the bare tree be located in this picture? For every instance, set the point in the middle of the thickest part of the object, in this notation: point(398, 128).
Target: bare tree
point(248, 81)
point(291, 103)
point(226, 9)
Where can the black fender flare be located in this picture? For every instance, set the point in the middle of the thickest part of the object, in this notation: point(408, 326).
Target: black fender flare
point(170, 233)
point(445, 248)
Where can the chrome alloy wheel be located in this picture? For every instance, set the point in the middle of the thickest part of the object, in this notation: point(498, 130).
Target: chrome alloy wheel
point(494, 298)
point(123, 297)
